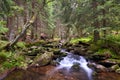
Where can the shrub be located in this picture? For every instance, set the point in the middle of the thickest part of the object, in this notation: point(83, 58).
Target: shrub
point(11, 60)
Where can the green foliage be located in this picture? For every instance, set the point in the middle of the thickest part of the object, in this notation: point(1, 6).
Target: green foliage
point(103, 51)
point(9, 8)
point(3, 43)
point(10, 60)
point(107, 52)
point(3, 57)
point(3, 29)
point(7, 65)
point(113, 38)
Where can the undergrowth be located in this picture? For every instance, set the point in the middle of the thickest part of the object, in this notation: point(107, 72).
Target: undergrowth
point(10, 60)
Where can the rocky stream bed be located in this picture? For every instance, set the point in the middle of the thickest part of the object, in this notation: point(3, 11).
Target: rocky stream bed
point(44, 62)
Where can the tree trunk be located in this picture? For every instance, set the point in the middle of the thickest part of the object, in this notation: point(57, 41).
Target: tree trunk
point(104, 20)
point(25, 18)
point(26, 26)
point(10, 26)
point(96, 23)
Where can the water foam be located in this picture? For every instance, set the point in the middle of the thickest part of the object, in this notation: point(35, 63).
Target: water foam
point(69, 61)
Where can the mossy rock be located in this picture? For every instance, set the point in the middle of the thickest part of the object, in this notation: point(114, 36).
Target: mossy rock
point(34, 50)
point(76, 67)
point(114, 61)
point(21, 45)
point(114, 67)
point(118, 71)
point(109, 62)
point(37, 43)
point(43, 59)
point(56, 51)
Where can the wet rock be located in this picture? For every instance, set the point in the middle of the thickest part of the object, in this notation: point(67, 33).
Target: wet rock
point(76, 66)
point(70, 49)
point(59, 59)
point(58, 53)
point(91, 65)
point(101, 68)
point(97, 57)
point(94, 73)
point(54, 63)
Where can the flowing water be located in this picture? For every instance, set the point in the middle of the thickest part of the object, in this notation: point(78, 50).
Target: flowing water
point(79, 61)
point(71, 67)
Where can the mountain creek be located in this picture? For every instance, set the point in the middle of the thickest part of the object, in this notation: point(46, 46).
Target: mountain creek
point(65, 64)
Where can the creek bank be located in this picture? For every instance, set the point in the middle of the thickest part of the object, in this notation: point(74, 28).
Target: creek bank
point(103, 62)
point(42, 54)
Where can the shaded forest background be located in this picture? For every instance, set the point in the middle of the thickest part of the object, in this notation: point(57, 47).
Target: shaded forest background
point(63, 19)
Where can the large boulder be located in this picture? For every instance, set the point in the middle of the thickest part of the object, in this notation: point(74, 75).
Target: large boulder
point(43, 59)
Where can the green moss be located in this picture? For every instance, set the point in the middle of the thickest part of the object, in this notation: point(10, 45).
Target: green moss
point(21, 44)
point(103, 51)
point(100, 43)
point(118, 70)
point(85, 40)
point(94, 47)
point(113, 38)
point(114, 67)
point(107, 52)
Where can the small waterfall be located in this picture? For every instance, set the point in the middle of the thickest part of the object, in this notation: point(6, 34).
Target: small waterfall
point(68, 61)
